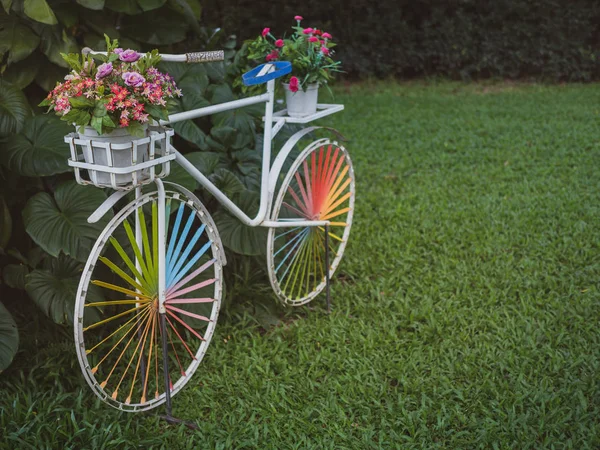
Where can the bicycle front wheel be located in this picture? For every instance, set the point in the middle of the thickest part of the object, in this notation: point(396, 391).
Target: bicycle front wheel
point(319, 186)
point(117, 322)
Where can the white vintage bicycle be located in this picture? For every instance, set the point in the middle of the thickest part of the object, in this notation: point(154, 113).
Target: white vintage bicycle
point(151, 290)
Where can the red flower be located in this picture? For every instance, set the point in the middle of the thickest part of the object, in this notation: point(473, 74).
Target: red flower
point(326, 36)
point(307, 30)
point(325, 51)
point(279, 43)
point(265, 32)
point(313, 39)
point(273, 55)
point(298, 18)
point(318, 32)
point(294, 84)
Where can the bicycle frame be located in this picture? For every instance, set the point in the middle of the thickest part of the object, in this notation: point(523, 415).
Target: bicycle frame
point(269, 173)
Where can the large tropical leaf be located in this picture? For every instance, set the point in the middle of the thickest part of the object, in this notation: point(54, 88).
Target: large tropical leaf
point(9, 338)
point(16, 39)
point(55, 290)
point(92, 4)
point(235, 235)
point(227, 182)
point(39, 11)
point(14, 109)
point(204, 162)
point(14, 275)
point(60, 223)
point(5, 223)
point(156, 28)
point(39, 150)
point(22, 73)
point(149, 5)
point(54, 42)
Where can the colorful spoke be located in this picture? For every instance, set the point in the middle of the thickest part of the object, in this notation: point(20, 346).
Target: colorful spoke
point(320, 187)
point(122, 348)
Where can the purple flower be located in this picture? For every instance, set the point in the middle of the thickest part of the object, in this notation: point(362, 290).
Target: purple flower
point(129, 55)
point(118, 51)
point(133, 79)
point(104, 70)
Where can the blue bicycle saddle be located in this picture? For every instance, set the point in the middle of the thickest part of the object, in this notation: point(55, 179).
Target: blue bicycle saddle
point(267, 72)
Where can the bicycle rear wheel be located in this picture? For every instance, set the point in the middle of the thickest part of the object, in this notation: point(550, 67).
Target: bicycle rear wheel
point(119, 339)
point(319, 186)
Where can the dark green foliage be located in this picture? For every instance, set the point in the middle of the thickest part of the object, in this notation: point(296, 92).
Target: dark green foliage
point(549, 39)
point(44, 235)
point(466, 309)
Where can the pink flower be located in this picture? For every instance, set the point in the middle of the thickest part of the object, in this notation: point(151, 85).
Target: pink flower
point(313, 39)
point(326, 36)
point(265, 31)
point(294, 84)
point(298, 18)
point(325, 51)
point(118, 50)
point(279, 43)
point(273, 55)
point(308, 31)
point(129, 56)
point(133, 79)
point(104, 70)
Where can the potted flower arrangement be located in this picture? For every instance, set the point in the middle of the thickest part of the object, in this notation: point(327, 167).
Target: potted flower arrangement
point(113, 98)
point(311, 53)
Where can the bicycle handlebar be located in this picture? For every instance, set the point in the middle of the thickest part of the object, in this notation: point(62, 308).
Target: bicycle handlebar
point(194, 57)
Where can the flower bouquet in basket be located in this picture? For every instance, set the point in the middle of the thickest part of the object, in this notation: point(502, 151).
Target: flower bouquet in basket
point(113, 98)
point(311, 53)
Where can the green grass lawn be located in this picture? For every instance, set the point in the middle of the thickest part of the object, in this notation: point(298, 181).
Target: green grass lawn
point(466, 311)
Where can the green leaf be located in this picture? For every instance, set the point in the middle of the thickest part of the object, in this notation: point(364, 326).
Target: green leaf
point(227, 182)
point(6, 4)
point(14, 109)
point(55, 290)
point(204, 162)
point(100, 109)
point(39, 11)
point(149, 5)
point(77, 117)
point(235, 235)
point(82, 102)
point(48, 74)
point(136, 129)
point(97, 124)
point(54, 42)
point(92, 4)
point(5, 223)
point(60, 223)
point(39, 150)
point(192, 5)
point(156, 29)
point(16, 39)
point(14, 275)
point(108, 122)
point(156, 112)
point(124, 6)
point(9, 338)
point(22, 73)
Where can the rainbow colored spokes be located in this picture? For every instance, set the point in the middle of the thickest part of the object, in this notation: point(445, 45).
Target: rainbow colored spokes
point(124, 354)
point(319, 190)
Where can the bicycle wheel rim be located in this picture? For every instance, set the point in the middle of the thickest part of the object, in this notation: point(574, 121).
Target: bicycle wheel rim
point(109, 349)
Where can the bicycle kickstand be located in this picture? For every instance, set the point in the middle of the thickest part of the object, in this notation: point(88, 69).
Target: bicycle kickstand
point(327, 280)
point(168, 417)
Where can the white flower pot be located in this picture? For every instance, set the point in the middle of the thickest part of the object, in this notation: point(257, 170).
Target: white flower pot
point(301, 103)
point(120, 158)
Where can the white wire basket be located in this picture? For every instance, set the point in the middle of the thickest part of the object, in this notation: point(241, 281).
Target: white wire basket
point(121, 166)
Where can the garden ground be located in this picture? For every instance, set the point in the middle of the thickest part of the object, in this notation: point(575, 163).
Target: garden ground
point(466, 311)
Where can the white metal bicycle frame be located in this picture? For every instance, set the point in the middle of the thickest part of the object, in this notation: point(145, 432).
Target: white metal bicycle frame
point(269, 174)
